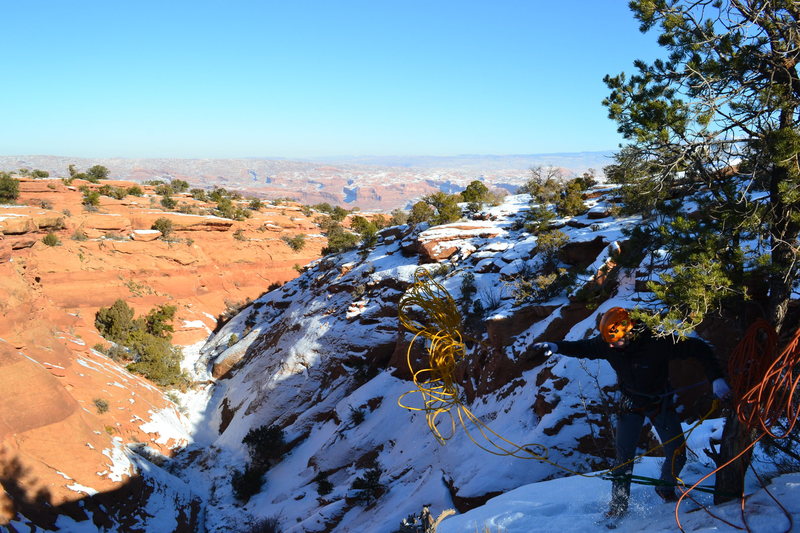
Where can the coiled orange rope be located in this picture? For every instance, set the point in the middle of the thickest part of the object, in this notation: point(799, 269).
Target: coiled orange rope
point(763, 388)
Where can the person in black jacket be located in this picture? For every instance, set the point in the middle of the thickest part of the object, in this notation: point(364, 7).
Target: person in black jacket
point(641, 362)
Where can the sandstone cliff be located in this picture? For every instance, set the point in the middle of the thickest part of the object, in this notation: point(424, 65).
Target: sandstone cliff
point(68, 413)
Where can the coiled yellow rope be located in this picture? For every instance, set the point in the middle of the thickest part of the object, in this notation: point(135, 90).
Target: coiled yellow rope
point(440, 323)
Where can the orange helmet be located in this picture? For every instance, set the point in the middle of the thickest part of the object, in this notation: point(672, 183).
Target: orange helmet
point(615, 324)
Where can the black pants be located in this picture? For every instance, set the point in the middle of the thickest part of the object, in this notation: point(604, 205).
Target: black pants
point(629, 426)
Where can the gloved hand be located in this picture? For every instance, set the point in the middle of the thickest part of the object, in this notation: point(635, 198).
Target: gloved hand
point(544, 348)
point(721, 389)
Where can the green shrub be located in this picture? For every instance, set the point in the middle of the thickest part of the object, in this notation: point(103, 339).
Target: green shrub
point(548, 244)
point(368, 485)
point(399, 217)
point(156, 359)
point(158, 321)
point(179, 185)
point(363, 226)
point(420, 212)
point(247, 483)
point(217, 194)
point(164, 225)
point(266, 445)
point(340, 240)
point(51, 239)
point(570, 201)
point(227, 209)
point(475, 192)
point(9, 188)
point(445, 206)
point(538, 218)
point(91, 198)
point(116, 322)
point(199, 195)
point(168, 203)
point(97, 172)
point(233, 339)
point(117, 193)
point(296, 243)
point(339, 213)
point(324, 207)
point(255, 204)
point(164, 189)
point(101, 404)
point(324, 486)
point(135, 190)
point(147, 340)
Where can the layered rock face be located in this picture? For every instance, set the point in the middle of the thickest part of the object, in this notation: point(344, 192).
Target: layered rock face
point(67, 412)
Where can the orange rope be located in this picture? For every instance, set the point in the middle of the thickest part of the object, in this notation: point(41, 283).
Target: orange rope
point(763, 388)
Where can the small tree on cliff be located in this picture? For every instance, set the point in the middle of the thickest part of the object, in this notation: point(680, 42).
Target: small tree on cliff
point(719, 115)
point(97, 172)
point(9, 188)
point(164, 225)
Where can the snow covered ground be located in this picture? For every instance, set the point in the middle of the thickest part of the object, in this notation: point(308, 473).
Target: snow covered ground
point(577, 503)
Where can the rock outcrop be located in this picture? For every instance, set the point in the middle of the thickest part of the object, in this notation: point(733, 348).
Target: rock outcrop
point(68, 413)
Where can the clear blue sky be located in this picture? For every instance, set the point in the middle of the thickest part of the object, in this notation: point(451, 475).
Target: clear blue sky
point(311, 78)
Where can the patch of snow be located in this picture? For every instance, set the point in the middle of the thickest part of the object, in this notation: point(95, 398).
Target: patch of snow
point(77, 487)
point(167, 424)
point(120, 466)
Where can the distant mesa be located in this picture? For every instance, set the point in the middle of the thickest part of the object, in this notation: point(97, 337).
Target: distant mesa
point(392, 182)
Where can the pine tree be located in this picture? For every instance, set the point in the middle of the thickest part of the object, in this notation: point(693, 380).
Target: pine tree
point(719, 116)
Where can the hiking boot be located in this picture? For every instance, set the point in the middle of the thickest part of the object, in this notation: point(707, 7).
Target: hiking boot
point(667, 494)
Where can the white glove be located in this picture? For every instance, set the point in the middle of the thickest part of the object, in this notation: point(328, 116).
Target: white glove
point(721, 389)
point(544, 348)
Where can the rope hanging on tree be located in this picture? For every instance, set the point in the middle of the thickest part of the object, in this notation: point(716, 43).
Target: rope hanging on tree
point(763, 388)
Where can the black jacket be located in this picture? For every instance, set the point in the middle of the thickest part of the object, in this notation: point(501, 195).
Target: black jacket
point(642, 366)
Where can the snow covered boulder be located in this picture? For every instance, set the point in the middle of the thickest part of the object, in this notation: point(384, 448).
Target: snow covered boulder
point(442, 242)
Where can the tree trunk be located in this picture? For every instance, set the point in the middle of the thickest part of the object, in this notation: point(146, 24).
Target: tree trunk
point(736, 438)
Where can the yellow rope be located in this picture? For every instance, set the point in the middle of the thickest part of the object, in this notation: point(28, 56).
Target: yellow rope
point(439, 322)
